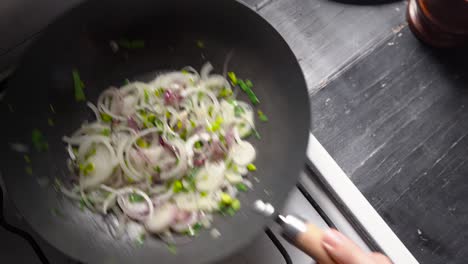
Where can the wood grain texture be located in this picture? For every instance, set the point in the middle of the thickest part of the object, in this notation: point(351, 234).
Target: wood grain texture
point(397, 123)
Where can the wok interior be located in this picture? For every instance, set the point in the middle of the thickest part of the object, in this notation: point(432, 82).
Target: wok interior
point(170, 30)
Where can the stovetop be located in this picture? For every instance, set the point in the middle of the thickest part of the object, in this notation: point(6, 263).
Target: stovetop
point(323, 195)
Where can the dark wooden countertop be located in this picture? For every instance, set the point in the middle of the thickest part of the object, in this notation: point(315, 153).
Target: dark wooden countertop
point(397, 123)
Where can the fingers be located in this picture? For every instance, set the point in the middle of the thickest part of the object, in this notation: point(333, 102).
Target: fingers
point(344, 251)
point(379, 258)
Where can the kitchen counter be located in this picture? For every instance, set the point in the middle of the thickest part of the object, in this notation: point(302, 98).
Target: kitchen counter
point(396, 122)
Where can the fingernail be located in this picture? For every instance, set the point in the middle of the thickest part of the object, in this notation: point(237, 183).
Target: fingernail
point(332, 239)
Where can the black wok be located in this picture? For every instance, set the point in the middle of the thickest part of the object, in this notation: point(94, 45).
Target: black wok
point(171, 29)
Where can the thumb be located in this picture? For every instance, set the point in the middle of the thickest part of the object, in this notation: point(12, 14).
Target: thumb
point(343, 250)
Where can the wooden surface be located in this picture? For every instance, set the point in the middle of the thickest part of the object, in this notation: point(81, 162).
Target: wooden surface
point(396, 121)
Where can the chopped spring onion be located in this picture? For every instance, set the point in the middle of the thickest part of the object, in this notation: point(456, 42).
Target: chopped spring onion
point(236, 205)
point(27, 158)
point(79, 85)
point(131, 44)
point(262, 116)
point(198, 145)
point(106, 132)
point(135, 198)
point(251, 167)
point(241, 187)
point(28, 170)
point(157, 169)
point(86, 169)
point(159, 92)
point(200, 44)
point(233, 77)
point(225, 92)
point(146, 95)
point(142, 143)
point(140, 240)
point(172, 248)
point(90, 153)
point(177, 186)
point(226, 199)
point(50, 122)
point(184, 71)
point(127, 81)
point(248, 90)
point(106, 118)
point(39, 141)
point(238, 111)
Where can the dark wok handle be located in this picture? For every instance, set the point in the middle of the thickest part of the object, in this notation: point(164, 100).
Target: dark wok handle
point(305, 236)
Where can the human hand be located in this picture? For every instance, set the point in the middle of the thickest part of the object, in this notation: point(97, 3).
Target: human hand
point(344, 251)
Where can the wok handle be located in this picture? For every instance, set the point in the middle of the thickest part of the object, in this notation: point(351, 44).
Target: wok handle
point(305, 236)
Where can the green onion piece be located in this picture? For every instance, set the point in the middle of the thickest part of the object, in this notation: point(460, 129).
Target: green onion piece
point(192, 123)
point(236, 205)
point(225, 92)
point(28, 170)
point(138, 44)
point(200, 44)
point(146, 95)
point(90, 153)
point(184, 71)
point(226, 198)
point(106, 118)
point(159, 92)
point(262, 116)
point(172, 248)
point(151, 118)
point(135, 198)
point(140, 239)
point(241, 187)
point(82, 204)
point(210, 110)
point(131, 44)
point(39, 141)
point(127, 81)
point(233, 77)
point(249, 83)
point(177, 186)
point(75, 151)
point(56, 212)
point(242, 85)
point(203, 194)
point(157, 169)
point(230, 211)
point(248, 90)
point(86, 169)
point(50, 122)
point(257, 135)
point(238, 111)
point(142, 143)
point(251, 167)
point(79, 85)
point(27, 158)
point(106, 132)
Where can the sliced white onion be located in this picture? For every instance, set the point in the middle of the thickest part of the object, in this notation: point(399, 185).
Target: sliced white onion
point(189, 219)
point(211, 176)
point(243, 153)
point(161, 219)
point(205, 70)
